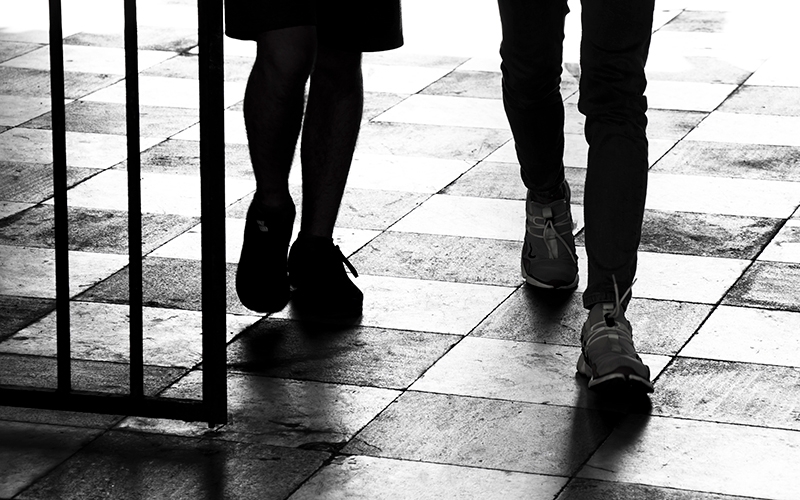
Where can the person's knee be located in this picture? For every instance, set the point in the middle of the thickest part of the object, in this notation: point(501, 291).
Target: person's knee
point(340, 69)
point(286, 57)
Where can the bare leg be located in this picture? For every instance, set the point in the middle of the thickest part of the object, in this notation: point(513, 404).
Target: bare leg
point(273, 108)
point(332, 123)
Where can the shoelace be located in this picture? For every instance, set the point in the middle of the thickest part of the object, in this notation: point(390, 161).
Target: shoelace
point(346, 262)
point(549, 223)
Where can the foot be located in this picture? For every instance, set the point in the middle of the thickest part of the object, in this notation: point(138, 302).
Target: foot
point(320, 284)
point(548, 253)
point(608, 356)
point(261, 280)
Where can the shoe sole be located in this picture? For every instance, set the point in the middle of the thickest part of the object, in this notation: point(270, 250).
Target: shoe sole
point(540, 284)
point(614, 382)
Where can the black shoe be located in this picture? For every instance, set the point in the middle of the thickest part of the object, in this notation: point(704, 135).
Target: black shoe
point(320, 285)
point(261, 280)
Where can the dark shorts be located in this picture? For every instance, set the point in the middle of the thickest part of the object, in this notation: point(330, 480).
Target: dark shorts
point(358, 25)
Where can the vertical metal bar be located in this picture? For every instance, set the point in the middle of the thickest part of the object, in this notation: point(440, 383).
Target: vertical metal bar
point(212, 215)
point(134, 201)
point(58, 115)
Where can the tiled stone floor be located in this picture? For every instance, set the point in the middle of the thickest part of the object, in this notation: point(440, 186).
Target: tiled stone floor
point(459, 381)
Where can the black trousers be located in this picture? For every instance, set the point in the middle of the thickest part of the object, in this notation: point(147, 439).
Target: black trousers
point(614, 46)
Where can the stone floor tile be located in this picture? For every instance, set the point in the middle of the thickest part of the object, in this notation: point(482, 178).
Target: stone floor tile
point(36, 82)
point(441, 258)
point(9, 50)
point(376, 103)
point(9, 208)
point(697, 21)
point(737, 393)
point(404, 57)
point(90, 230)
point(400, 79)
point(489, 434)
point(282, 412)
point(19, 312)
point(421, 305)
point(30, 272)
point(161, 193)
point(148, 38)
point(785, 247)
point(668, 124)
point(586, 489)
point(686, 96)
point(434, 141)
point(532, 315)
point(54, 417)
point(33, 182)
point(77, 58)
point(771, 285)
point(168, 283)
point(103, 377)
point(361, 477)
point(83, 150)
point(372, 209)
point(728, 334)
point(760, 100)
point(109, 118)
point(399, 173)
point(686, 277)
point(235, 130)
point(736, 161)
point(130, 466)
point(516, 371)
point(32, 450)
point(448, 111)
point(467, 216)
point(748, 129)
point(365, 356)
point(716, 195)
point(664, 64)
point(168, 92)
point(183, 157)
point(15, 110)
point(775, 72)
point(693, 455)
point(100, 332)
point(479, 84)
point(709, 235)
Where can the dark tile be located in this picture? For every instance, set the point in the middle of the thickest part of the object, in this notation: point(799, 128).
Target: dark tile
point(339, 354)
point(175, 156)
point(482, 84)
point(441, 258)
point(590, 489)
point(780, 101)
point(109, 118)
point(376, 103)
point(671, 124)
point(484, 433)
point(771, 285)
point(95, 376)
point(18, 312)
point(90, 230)
point(698, 21)
point(741, 161)
point(148, 37)
point(127, 465)
point(532, 315)
point(502, 180)
point(408, 139)
point(30, 451)
point(33, 182)
point(722, 391)
point(170, 283)
point(53, 417)
point(35, 82)
point(10, 50)
point(709, 235)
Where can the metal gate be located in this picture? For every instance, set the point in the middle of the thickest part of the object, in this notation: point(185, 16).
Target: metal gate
point(213, 406)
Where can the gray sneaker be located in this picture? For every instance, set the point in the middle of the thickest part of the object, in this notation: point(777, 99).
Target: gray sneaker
point(608, 356)
point(548, 253)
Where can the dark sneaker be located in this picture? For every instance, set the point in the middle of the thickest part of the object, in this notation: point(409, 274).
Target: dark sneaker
point(608, 356)
point(261, 280)
point(320, 284)
point(548, 253)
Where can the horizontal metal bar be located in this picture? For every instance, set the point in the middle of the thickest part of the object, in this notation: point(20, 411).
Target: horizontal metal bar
point(188, 410)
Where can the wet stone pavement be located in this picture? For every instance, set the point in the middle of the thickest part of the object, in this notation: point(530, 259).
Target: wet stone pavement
point(459, 381)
